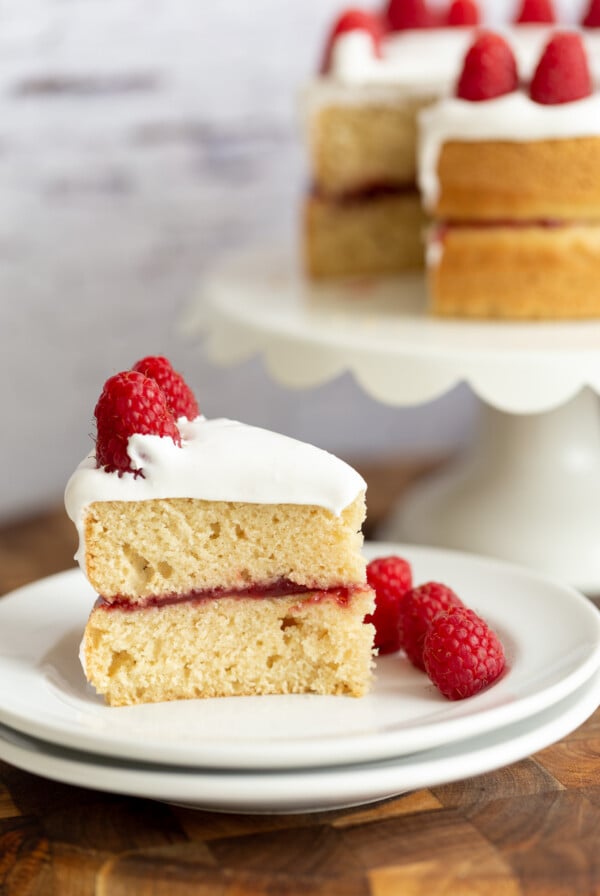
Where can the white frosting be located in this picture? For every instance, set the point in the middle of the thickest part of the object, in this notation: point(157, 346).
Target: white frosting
point(219, 460)
point(418, 61)
point(430, 61)
point(514, 117)
point(434, 250)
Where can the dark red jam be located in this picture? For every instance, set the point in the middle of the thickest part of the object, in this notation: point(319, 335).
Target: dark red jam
point(440, 230)
point(281, 588)
point(366, 193)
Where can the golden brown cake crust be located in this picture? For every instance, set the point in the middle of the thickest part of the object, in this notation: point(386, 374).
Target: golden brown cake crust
point(178, 545)
point(380, 234)
point(523, 272)
point(535, 181)
point(231, 647)
point(357, 146)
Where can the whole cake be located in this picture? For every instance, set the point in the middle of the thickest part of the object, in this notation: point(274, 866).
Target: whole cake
point(510, 174)
point(227, 558)
point(363, 213)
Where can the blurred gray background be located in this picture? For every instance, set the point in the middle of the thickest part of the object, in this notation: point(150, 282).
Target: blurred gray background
point(140, 140)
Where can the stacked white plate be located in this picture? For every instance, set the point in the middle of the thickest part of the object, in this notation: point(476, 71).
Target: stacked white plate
point(301, 753)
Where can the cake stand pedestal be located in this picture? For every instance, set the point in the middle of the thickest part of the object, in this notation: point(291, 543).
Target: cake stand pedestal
point(527, 489)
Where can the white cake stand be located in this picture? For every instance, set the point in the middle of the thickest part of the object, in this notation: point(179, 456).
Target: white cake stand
point(528, 490)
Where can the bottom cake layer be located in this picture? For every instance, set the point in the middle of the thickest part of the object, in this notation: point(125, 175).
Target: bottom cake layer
point(231, 646)
point(370, 234)
point(528, 272)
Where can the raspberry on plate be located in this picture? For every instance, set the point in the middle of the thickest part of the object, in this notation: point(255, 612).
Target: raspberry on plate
point(563, 73)
point(462, 655)
point(180, 398)
point(390, 578)
point(130, 403)
point(489, 69)
point(416, 612)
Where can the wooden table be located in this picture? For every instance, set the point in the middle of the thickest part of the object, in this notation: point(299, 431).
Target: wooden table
point(532, 828)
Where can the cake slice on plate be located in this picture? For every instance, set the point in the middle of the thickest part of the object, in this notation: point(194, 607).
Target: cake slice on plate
point(227, 558)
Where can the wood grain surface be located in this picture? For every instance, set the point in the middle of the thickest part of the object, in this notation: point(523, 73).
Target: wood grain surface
point(530, 829)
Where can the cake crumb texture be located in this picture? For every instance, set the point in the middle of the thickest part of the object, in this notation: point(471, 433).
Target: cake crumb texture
point(541, 180)
point(524, 273)
point(231, 646)
point(380, 234)
point(178, 545)
point(358, 146)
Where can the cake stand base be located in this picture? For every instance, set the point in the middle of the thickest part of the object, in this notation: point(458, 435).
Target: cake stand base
point(527, 491)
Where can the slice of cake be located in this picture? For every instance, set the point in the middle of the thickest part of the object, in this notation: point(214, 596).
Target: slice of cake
point(363, 214)
point(511, 177)
point(227, 558)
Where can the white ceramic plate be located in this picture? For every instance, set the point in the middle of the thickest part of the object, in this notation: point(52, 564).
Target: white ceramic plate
point(551, 636)
point(310, 790)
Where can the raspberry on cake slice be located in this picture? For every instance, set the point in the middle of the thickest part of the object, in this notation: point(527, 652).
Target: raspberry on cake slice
point(509, 173)
point(227, 558)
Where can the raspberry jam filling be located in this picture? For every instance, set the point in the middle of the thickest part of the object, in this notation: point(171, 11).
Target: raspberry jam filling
point(440, 231)
point(366, 193)
point(282, 588)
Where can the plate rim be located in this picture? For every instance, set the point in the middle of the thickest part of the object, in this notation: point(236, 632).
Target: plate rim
point(452, 730)
point(291, 790)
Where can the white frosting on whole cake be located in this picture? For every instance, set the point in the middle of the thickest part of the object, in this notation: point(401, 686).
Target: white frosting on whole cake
point(424, 62)
point(219, 460)
point(513, 117)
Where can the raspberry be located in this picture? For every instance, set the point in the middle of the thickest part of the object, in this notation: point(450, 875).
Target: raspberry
point(489, 69)
point(180, 398)
point(417, 610)
point(534, 11)
point(404, 14)
point(563, 73)
point(390, 578)
point(353, 20)
point(462, 654)
point(130, 403)
point(463, 12)
point(592, 16)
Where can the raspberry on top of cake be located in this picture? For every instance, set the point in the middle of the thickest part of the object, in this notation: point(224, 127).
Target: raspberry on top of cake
point(227, 558)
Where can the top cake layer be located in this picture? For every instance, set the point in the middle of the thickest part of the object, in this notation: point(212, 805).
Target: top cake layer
point(219, 460)
point(502, 149)
point(233, 508)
